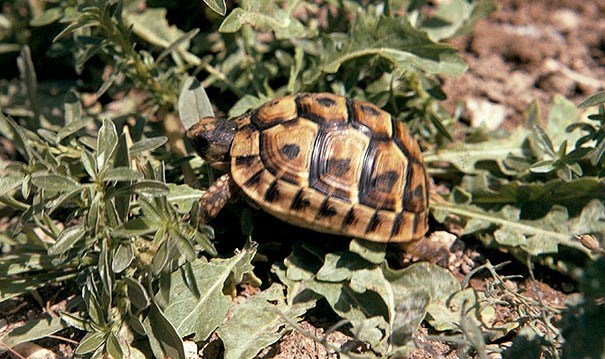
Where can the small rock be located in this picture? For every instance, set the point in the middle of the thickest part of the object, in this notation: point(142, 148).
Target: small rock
point(565, 20)
point(190, 349)
point(485, 113)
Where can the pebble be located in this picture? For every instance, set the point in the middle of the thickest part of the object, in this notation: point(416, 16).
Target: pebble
point(565, 20)
point(485, 113)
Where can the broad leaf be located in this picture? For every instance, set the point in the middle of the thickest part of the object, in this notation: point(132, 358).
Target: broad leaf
point(456, 17)
point(200, 316)
point(542, 235)
point(264, 15)
point(465, 156)
point(152, 26)
point(411, 301)
point(194, 103)
point(258, 323)
point(393, 39)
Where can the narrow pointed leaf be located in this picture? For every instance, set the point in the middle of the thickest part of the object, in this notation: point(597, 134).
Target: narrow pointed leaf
point(67, 239)
point(148, 144)
point(217, 6)
point(163, 333)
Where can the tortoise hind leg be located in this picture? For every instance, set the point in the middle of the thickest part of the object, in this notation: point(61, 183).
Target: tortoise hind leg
point(215, 198)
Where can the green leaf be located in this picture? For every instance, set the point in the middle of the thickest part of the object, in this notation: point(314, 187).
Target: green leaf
point(257, 323)
point(121, 174)
point(346, 302)
point(372, 252)
point(24, 262)
point(33, 329)
point(411, 302)
point(562, 114)
point(182, 196)
point(92, 300)
point(67, 239)
point(112, 346)
point(200, 316)
point(55, 183)
point(571, 194)
point(150, 188)
point(340, 266)
point(136, 293)
point(89, 163)
point(152, 26)
point(456, 17)
point(71, 128)
point(247, 223)
point(183, 244)
point(246, 103)
point(75, 321)
point(465, 156)
point(393, 39)
point(544, 166)
point(535, 237)
point(9, 184)
point(91, 342)
point(218, 6)
point(17, 135)
point(593, 100)
point(30, 80)
point(194, 103)
point(264, 15)
point(107, 142)
point(73, 108)
point(122, 257)
point(136, 227)
point(12, 287)
point(47, 17)
point(163, 335)
point(148, 144)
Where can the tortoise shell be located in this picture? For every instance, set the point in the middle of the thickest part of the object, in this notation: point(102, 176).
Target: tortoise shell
point(334, 165)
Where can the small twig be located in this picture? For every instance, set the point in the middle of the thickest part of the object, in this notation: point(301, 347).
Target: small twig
point(12, 350)
point(58, 337)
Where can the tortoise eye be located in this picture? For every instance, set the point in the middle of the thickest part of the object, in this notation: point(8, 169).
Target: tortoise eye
point(200, 143)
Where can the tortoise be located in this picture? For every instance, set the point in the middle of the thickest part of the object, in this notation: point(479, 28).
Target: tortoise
point(319, 161)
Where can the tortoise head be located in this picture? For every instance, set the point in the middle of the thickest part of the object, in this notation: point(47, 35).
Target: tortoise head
point(211, 138)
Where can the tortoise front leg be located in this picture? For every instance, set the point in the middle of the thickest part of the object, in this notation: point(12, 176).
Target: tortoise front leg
point(216, 197)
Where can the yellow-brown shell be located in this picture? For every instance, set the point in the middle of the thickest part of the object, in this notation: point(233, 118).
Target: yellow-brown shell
point(334, 165)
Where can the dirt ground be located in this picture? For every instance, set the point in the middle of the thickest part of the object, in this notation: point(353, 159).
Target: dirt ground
point(526, 50)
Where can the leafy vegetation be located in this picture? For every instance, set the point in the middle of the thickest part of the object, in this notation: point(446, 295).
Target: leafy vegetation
point(100, 195)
